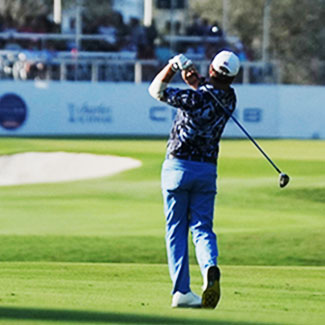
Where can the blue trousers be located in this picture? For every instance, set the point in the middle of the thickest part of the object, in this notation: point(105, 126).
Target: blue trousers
point(189, 190)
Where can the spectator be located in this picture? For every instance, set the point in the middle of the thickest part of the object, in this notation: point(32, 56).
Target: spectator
point(205, 28)
point(107, 28)
point(28, 25)
point(167, 28)
point(137, 36)
point(122, 30)
point(9, 25)
point(146, 49)
point(1, 23)
point(196, 28)
point(39, 24)
point(152, 33)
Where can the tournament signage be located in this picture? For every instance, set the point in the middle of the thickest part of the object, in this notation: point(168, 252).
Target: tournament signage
point(30, 108)
point(89, 114)
point(13, 111)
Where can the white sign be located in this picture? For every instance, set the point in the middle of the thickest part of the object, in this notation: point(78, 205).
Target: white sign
point(80, 108)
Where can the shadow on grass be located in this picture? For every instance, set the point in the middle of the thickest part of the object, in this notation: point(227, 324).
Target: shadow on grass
point(15, 313)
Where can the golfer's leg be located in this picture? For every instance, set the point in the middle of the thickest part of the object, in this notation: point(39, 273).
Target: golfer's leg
point(201, 225)
point(176, 213)
point(175, 196)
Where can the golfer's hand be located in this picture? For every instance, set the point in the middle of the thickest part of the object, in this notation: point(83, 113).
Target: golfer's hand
point(180, 62)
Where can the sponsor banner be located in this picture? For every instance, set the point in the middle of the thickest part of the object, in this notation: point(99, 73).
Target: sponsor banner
point(13, 111)
point(302, 113)
point(83, 108)
point(257, 111)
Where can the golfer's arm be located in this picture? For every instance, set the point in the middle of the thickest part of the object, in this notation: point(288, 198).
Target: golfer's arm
point(159, 84)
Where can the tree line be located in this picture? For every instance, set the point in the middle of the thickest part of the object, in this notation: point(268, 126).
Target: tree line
point(297, 33)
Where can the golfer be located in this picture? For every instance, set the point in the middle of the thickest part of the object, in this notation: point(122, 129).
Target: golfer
point(189, 171)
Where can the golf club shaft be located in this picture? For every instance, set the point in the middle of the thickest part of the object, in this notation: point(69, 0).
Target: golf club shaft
point(244, 130)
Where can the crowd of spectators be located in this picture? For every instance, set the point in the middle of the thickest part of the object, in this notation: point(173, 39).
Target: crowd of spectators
point(212, 39)
point(117, 36)
point(35, 52)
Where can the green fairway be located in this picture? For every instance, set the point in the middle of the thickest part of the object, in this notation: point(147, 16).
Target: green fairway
point(271, 240)
point(119, 294)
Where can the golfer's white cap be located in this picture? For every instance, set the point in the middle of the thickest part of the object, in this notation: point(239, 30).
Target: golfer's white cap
point(227, 63)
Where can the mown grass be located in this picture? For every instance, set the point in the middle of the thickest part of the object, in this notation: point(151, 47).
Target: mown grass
point(270, 239)
point(257, 222)
point(119, 294)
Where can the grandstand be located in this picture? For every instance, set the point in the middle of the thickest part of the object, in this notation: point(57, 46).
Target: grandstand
point(116, 49)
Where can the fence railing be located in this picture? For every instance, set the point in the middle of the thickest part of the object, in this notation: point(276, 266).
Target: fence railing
point(104, 66)
point(22, 64)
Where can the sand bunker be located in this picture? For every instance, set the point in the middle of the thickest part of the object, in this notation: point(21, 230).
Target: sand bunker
point(40, 167)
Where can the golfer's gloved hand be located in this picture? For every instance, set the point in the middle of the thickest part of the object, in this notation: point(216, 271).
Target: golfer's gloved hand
point(180, 62)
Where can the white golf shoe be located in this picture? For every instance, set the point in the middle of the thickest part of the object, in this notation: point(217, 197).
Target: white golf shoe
point(187, 300)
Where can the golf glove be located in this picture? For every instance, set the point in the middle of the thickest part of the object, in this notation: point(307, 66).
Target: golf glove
point(180, 62)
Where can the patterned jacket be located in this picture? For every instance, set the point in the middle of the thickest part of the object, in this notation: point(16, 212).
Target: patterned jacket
point(199, 122)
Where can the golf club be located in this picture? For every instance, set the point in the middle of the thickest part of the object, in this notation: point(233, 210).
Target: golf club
point(284, 178)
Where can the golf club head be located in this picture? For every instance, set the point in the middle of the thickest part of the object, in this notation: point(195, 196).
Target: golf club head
point(284, 180)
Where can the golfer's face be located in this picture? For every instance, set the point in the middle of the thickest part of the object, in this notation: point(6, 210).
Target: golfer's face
point(212, 72)
point(190, 75)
